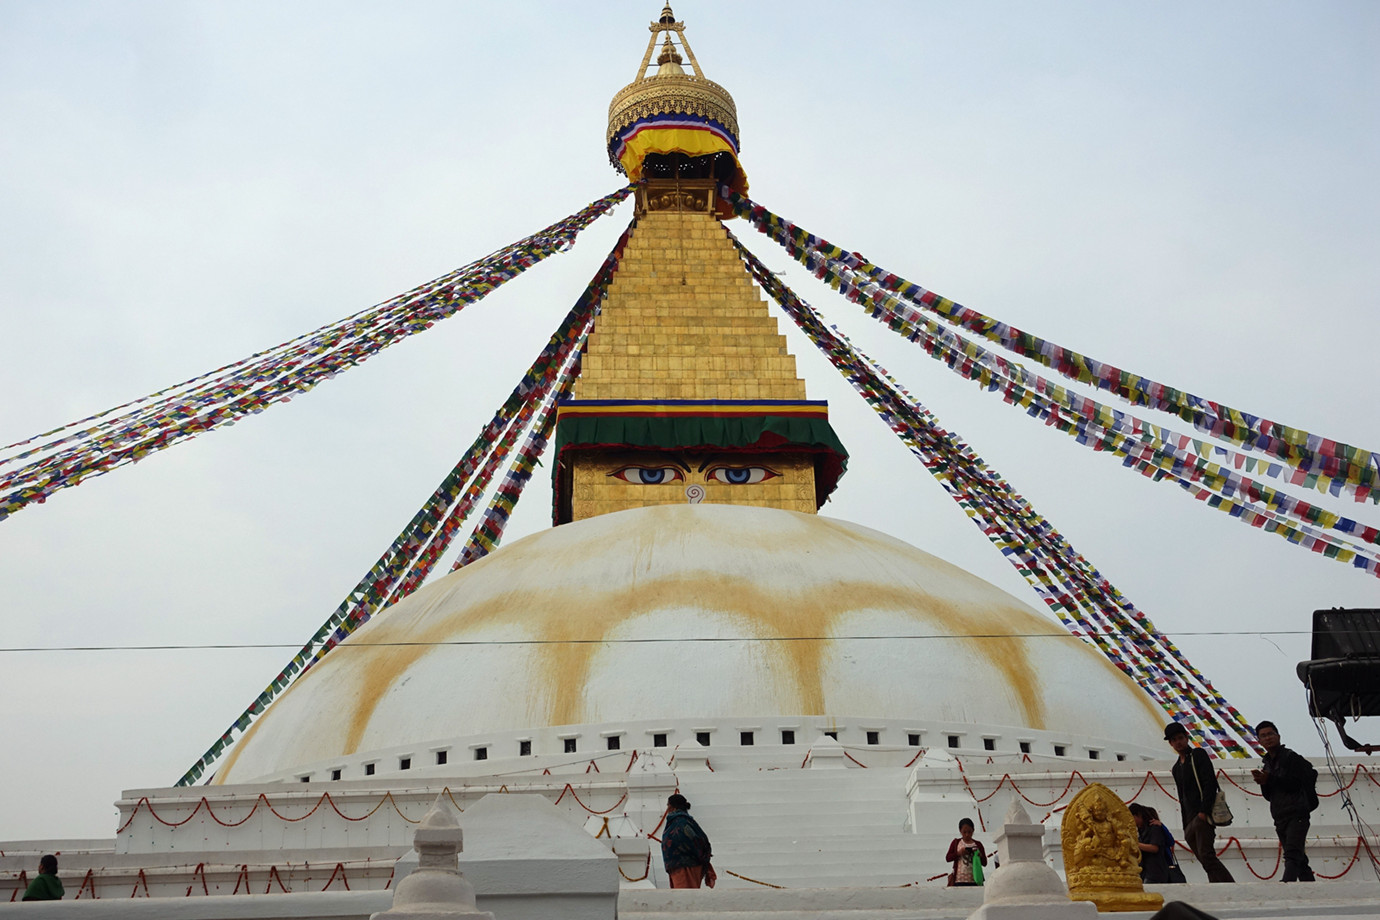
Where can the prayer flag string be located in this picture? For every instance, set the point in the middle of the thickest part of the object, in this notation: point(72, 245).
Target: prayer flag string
point(572, 334)
point(66, 456)
point(1089, 606)
point(407, 561)
point(488, 533)
point(1158, 453)
point(1322, 463)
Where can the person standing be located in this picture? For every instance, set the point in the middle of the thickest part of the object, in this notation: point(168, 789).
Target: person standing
point(962, 851)
point(1196, 781)
point(1176, 875)
point(1154, 844)
point(47, 887)
point(1290, 783)
point(685, 849)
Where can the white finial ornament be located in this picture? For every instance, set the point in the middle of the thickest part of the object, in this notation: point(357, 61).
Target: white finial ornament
point(1025, 887)
point(436, 889)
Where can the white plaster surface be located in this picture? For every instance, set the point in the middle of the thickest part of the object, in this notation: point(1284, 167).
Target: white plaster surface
point(683, 571)
point(530, 861)
point(874, 823)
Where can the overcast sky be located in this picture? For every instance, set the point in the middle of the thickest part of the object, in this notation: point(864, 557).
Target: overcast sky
point(1184, 190)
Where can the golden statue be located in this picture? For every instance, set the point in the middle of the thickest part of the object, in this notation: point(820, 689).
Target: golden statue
point(1101, 855)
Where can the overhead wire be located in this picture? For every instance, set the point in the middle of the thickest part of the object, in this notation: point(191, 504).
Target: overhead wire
point(641, 640)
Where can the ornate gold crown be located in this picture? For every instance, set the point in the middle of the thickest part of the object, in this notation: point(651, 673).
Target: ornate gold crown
point(670, 90)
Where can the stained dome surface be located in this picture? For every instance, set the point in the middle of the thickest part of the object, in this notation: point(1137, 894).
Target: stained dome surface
point(584, 624)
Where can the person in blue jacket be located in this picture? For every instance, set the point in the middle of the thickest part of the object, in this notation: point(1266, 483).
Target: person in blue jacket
point(685, 848)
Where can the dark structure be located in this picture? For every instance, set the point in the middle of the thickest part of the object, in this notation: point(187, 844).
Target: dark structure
point(1343, 676)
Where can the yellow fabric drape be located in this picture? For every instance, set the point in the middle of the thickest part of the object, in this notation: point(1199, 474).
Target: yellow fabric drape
point(690, 141)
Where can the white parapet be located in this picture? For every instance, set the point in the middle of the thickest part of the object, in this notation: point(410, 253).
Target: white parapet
point(529, 861)
point(774, 817)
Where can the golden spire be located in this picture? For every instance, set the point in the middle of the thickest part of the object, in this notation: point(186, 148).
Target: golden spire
point(686, 392)
point(671, 91)
point(669, 59)
point(675, 111)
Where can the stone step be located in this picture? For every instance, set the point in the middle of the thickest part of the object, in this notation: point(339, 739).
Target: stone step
point(886, 825)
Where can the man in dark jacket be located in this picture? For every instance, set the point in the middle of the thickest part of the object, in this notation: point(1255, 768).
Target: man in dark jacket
point(1197, 784)
point(1290, 783)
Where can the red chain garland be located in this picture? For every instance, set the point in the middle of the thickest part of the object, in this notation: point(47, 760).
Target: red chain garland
point(88, 881)
point(339, 869)
point(201, 871)
point(273, 874)
point(1279, 856)
point(262, 799)
point(326, 799)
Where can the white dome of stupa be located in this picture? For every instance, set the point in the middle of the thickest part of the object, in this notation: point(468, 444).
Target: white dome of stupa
point(604, 621)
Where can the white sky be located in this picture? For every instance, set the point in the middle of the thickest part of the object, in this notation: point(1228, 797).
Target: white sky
point(1185, 191)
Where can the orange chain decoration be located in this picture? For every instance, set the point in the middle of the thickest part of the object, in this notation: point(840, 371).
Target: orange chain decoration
point(576, 796)
point(651, 835)
point(451, 796)
point(646, 871)
point(753, 880)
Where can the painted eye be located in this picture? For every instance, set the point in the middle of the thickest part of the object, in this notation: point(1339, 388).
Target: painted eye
point(648, 475)
point(741, 475)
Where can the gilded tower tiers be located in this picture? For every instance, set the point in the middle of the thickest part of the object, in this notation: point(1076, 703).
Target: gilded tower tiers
point(683, 320)
point(687, 392)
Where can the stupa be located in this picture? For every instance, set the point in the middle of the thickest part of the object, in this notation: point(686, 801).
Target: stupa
point(690, 592)
point(833, 699)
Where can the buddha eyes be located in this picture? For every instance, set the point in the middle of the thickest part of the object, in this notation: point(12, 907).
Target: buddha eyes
point(660, 475)
point(648, 475)
point(741, 475)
